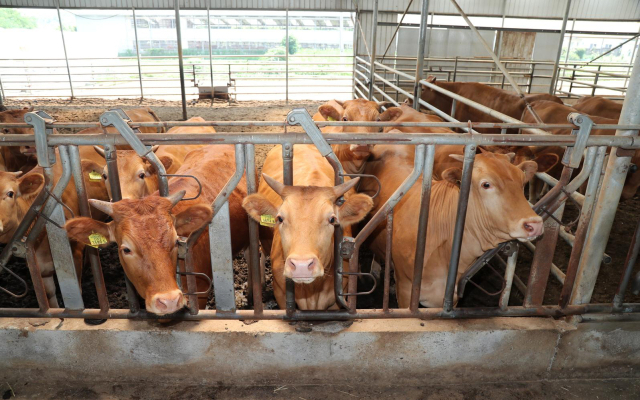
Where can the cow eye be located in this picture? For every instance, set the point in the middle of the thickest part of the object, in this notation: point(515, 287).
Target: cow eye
point(126, 250)
point(279, 219)
point(486, 185)
point(10, 194)
point(5, 130)
point(345, 119)
point(333, 220)
point(177, 242)
point(141, 175)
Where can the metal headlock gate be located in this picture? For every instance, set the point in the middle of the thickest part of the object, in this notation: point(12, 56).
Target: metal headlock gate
point(580, 273)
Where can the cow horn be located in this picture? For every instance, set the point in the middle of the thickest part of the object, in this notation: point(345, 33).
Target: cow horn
point(100, 151)
point(511, 156)
point(340, 102)
point(384, 104)
point(176, 197)
point(273, 184)
point(155, 148)
point(103, 206)
point(17, 173)
point(345, 187)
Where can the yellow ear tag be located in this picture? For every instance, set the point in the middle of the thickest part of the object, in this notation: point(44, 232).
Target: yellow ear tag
point(330, 119)
point(94, 176)
point(96, 239)
point(267, 220)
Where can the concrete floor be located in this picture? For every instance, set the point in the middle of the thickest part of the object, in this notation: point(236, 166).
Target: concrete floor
point(548, 390)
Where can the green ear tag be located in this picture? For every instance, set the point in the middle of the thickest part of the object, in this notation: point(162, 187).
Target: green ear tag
point(267, 220)
point(330, 119)
point(94, 176)
point(96, 239)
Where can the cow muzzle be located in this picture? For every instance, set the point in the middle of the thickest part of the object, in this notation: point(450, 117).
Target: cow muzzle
point(166, 303)
point(529, 229)
point(361, 150)
point(303, 269)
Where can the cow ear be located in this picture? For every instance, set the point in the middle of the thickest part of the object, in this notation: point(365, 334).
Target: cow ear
point(529, 168)
point(546, 161)
point(30, 184)
point(453, 175)
point(329, 113)
point(431, 79)
point(79, 229)
point(90, 168)
point(354, 209)
point(165, 160)
point(391, 114)
point(256, 205)
point(192, 219)
point(458, 157)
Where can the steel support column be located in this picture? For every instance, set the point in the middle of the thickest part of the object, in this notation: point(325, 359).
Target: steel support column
point(210, 55)
point(286, 57)
point(374, 32)
point(554, 76)
point(135, 33)
point(424, 21)
point(612, 184)
point(64, 47)
point(180, 61)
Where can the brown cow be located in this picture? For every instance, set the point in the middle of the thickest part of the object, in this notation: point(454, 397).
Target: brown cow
point(599, 106)
point(497, 212)
point(11, 158)
point(19, 192)
point(146, 230)
point(305, 216)
point(552, 113)
point(138, 178)
point(494, 98)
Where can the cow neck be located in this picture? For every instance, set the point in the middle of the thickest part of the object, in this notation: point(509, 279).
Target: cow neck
point(345, 157)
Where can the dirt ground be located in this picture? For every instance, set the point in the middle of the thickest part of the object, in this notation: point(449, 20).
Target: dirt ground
point(615, 389)
point(90, 109)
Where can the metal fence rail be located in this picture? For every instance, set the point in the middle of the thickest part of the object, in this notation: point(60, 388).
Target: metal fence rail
point(45, 143)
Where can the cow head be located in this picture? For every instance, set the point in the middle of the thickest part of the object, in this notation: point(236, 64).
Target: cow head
point(306, 220)
point(147, 233)
point(22, 153)
point(632, 182)
point(496, 201)
point(436, 99)
point(359, 110)
point(14, 189)
point(138, 177)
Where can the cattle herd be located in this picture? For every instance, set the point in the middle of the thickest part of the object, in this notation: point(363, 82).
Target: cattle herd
point(298, 221)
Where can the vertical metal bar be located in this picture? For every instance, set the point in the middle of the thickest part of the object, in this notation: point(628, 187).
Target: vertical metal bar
point(533, 68)
point(423, 221)
point(85, 211)
point(135, 32)
point(502, 84)
point(397, 85)
point(629, 263)
point(583, 225)
point(424, 21)
point(374, 32)
point(542, 260)
point(566, 58)
point(64, 47)
point(116, 195)
point(573, 79)
point(210, 54)
point(455, 70)
point(388, 261)
point(286, 56)
point(454, 103)
point(509, 273)
point(463, 201)
point(2, 96)
point(554, 76)
point(221, 260)
point(356, 43)
point(609, 197)
point(183, 93)
point(287, 179)
point(254, 257)
point(595, 80)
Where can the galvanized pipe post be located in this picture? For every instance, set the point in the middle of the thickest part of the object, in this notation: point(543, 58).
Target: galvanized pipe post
point(286, 56)
point(287, 179)
point(183, 93)
point(210, 55)
point(356, 43)
point(255, 273)
point(554, 76)
point(374, 32)
point(612, 185)
point(135, 32)
point(424, 21)
point(463, 202)
point(64, 47)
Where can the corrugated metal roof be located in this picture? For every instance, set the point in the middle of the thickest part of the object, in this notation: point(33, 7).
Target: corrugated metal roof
point(613, 10)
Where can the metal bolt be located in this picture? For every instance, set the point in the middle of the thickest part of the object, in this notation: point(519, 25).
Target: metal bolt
point(28, 118)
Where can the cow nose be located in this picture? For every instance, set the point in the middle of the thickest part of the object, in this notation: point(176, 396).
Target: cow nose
point(167, 303)
point(533, 227)
point(302, 268)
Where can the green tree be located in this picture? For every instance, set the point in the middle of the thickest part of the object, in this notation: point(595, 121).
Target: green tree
point(580, 53)
point(10, 18)
point(293, 44)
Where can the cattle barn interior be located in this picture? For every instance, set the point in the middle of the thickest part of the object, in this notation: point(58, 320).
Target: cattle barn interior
point(387, 198)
